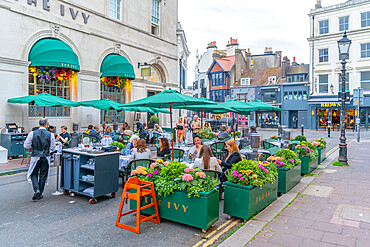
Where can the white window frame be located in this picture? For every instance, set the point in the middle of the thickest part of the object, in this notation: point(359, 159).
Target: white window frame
point(155, 17)
point(343, 24)
point(325, 55)
point(321, 28)
point(112, 9)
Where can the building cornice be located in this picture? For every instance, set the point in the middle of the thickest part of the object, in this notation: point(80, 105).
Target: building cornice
point(12, 61)
point(340, 34)
point(336, 7)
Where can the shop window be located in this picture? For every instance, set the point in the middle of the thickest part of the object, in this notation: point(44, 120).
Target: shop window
point(363, 116)
point(323, 55)
point(365, 80)
point(365, 50)
point(365, 19)
point(324, 27)
point(115, 9)
point(300, 96)
point(295, 96)
point(323, 83)
point(290, 95)
point(304, 96)
point(343, 23)
point(54, 81)
point(286, 96)
point(340, 82)
point(155, 16)
point(289, 78)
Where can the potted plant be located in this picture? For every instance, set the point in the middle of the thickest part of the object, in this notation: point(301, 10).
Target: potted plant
point(183, 194)
point(152, 121)
point(288, 167)
point(120, 146)
point(274, 137)
point(300, 138)
point(320, 143)
point(251, 187)
point(308, 155)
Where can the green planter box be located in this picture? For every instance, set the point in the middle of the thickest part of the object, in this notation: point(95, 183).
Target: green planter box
point(322, 154)
point(246, 201)
point(306, 165)
point(288, 178)
point(201, 212)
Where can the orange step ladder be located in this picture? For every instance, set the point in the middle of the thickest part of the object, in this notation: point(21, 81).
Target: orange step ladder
point(142, 190)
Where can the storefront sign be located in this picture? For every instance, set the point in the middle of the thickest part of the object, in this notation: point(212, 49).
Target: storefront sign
point(331, 104)
point(73, 12)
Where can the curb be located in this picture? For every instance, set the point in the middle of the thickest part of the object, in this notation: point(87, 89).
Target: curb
point(251, 228)
point(13, 171)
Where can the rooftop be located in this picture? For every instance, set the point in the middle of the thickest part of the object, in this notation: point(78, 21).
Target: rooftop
point(335, 7)
point(226, 63)
point(299, 69)
point(260, 76)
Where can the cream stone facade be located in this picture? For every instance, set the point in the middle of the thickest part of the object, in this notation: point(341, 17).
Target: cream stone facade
point(86, 26)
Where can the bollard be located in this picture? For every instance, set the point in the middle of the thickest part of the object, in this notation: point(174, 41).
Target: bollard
point(328, 130)
point(302, 129)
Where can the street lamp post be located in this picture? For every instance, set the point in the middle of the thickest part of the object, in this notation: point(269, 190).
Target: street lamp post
point(343, 46)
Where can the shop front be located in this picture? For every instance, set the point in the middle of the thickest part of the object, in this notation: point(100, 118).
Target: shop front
point(328, 114)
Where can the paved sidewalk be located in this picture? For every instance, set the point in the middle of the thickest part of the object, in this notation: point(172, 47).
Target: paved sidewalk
point(14, 166)
point(334, 210)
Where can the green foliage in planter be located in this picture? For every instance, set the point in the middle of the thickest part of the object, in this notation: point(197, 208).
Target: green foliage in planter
point(154, 119)
point(322, 142)
point(307, 148)
point(168, 177)
point(285, 158)
point(300, 138)
point(120, 145)
point(249, 172)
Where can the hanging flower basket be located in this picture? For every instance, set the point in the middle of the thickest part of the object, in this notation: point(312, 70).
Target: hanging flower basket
point(114, 81)
point(48, 73)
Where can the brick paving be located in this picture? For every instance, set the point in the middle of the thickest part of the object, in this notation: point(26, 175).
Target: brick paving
point(319, 220)
point(14, 164)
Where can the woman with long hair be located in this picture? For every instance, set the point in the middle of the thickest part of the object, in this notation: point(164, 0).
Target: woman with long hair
point(180, 130)
point(164, 148)
point(207, 127)
point(187, 131)
point(141, 151)
point(206, 160)
point(234, 155)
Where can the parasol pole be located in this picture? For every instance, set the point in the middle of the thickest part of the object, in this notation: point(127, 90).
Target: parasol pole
point(201, 123)
point(44, 112)
point(133, 122)
point(171, 128)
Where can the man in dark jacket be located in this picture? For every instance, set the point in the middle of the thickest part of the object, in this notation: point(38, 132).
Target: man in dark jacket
point(93, 132)
point(141, 129)
point(42, 143)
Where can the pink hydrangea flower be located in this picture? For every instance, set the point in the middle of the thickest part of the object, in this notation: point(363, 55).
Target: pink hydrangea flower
point(242, 178)
point(188, 170)
point(156, 172)
point(187, 177)
point(200, 174)
point(291, 160)
point(150, 175)
point(152, 165)
point(166, 163)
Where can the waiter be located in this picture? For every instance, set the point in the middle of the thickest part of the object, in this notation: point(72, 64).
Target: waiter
point(42, 142)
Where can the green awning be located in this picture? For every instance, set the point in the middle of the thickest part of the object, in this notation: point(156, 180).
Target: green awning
point(117, 65)
point(53, 53)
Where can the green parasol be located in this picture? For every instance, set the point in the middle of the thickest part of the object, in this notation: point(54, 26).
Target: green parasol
point(258, 105)
point(168, 99)
point(45, 100)
point(102, 104)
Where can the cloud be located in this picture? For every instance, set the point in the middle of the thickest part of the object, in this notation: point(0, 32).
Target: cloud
point(282, 25)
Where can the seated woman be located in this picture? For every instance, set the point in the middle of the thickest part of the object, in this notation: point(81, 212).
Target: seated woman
point(64, 137)
point(109, 132)
point(141, 152)
point(164, 148)
point(128, 131)
point(158, 128)
point(206, 160)
point(207, 127)
point(132, 144)
point(233, 157)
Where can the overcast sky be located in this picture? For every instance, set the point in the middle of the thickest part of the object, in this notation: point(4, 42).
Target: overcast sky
point(283, 25)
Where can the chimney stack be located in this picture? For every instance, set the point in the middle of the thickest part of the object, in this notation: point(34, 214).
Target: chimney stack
point(211, 44)
point(318, 4)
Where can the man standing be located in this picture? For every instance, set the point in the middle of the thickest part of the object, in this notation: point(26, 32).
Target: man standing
point(142, 131)
point(195, 126)
point(295, 121)
point(42, 142)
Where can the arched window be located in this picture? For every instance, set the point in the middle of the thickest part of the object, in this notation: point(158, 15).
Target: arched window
point(156, 74)
point(53, 70)
point(117, 73)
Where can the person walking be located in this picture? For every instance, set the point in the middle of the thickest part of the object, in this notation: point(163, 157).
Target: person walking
point(42, 143)
point(295, 122)
point(195, 126)
point(187, 127)
point(180, 130)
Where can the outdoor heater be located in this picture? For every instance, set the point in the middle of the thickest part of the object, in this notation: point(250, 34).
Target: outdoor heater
point(255, 144)
point(286, 137)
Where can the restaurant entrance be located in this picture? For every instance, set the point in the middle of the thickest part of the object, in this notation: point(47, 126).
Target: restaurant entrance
point(333, 115)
